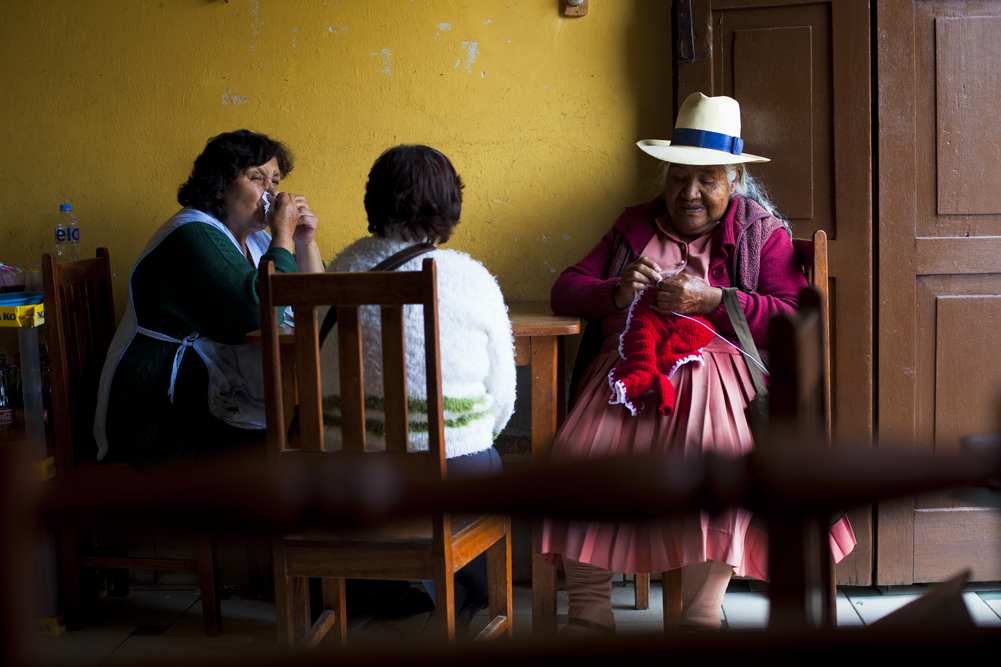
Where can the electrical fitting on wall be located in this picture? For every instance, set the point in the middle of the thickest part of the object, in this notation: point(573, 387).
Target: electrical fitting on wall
point(574, 7)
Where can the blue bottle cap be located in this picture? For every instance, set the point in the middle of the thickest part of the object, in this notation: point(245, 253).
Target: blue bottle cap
point(65, 207)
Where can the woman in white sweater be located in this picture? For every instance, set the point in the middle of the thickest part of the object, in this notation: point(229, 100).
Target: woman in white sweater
point(414, 196)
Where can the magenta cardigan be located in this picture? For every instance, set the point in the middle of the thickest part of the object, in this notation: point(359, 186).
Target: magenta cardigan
point(586, 290)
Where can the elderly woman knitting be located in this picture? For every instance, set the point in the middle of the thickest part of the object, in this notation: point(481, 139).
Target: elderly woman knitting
point(662, 379)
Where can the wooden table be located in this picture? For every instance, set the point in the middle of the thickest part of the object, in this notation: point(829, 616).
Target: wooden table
point(538, 342)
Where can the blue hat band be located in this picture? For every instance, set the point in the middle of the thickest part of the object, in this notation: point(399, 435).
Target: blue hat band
point(684, 136)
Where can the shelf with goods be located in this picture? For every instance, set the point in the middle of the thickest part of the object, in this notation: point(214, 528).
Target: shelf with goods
point(25, 312)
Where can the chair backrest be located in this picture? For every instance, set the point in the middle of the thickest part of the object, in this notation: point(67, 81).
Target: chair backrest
point(391, 290)
point(80, 323)
point(796, 381)
point(813, 255)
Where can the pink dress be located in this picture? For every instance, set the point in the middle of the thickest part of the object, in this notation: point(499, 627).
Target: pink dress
point(708, 416)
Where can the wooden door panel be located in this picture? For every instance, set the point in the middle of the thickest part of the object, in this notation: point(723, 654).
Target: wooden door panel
point(786, 129)
point(955, 109)
point(939, 278)
point(954, 120)
point(950, 540)
point(968, 105)
point(800, 71)
point(956, 393)
point(967, 390)
point(777, 63)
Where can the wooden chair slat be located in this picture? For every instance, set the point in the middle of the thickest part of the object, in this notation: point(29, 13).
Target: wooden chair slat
point(352, 379)
point(394, 372)
point(307, 353)
point(59, 365)
point(436, 418)
point(821, 282)
point(82, 271)
point(273, 360)
point(377, 289)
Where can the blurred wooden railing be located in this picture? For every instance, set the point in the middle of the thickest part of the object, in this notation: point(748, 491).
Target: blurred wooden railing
point(237, 497)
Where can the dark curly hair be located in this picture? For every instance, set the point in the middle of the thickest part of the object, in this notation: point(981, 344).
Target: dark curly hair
point(415, 187)
point(224, 157)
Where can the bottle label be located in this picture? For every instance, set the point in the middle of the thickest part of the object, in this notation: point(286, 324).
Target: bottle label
point(6, 417)
point(60, 236)
point(74, 235)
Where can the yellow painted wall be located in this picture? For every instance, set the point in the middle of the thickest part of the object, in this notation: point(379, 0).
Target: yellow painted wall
point(106, 103)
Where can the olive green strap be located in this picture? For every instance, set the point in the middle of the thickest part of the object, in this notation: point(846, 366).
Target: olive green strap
point(739, 322)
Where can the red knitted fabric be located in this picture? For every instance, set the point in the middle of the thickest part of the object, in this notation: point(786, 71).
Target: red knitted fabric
point(652, 347)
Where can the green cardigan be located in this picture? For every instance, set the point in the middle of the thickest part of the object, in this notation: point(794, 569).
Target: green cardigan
point(195, 280)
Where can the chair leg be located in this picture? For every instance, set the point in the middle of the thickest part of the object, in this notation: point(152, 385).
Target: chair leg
point(499, 579)
point(72, 602)
point(211, 604)
point(672, 598)
point(444, 584)
point(543, 591)
point(642, 591)
point(291, 603)
point(335, 598)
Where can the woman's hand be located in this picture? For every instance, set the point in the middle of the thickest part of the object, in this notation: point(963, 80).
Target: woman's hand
point(305, 229)
point(635, 277)
point(686, 295)
point(307, 252)
point(282, 219)
point(293, 227)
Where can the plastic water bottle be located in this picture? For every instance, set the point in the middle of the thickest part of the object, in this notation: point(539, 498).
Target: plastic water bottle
point(67, 235)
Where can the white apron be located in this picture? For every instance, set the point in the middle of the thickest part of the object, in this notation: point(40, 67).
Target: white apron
point(236, 380)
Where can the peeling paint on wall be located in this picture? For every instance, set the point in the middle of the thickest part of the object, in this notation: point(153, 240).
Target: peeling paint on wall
point(337, 30)
point(232, 97)
point(468, 57)
point(255, 27)
point(386, 57)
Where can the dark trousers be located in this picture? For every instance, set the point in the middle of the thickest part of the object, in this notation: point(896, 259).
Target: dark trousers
point(470, 581)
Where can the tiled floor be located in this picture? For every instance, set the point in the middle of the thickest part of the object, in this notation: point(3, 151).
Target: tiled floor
point(167, 624)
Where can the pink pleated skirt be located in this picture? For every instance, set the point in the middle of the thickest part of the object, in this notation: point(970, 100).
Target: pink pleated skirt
point(708, 416)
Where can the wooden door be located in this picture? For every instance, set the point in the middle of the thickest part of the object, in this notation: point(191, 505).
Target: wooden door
point(939, 180)
point(801, 73)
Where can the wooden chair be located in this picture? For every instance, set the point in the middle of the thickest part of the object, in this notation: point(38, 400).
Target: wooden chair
point(813, 256)
point(428, 548)
point(80, 322)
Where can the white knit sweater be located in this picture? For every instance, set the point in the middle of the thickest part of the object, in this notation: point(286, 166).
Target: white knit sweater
point(477, 354)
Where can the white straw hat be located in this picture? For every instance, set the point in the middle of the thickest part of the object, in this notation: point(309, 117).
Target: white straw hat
point(707, 132)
